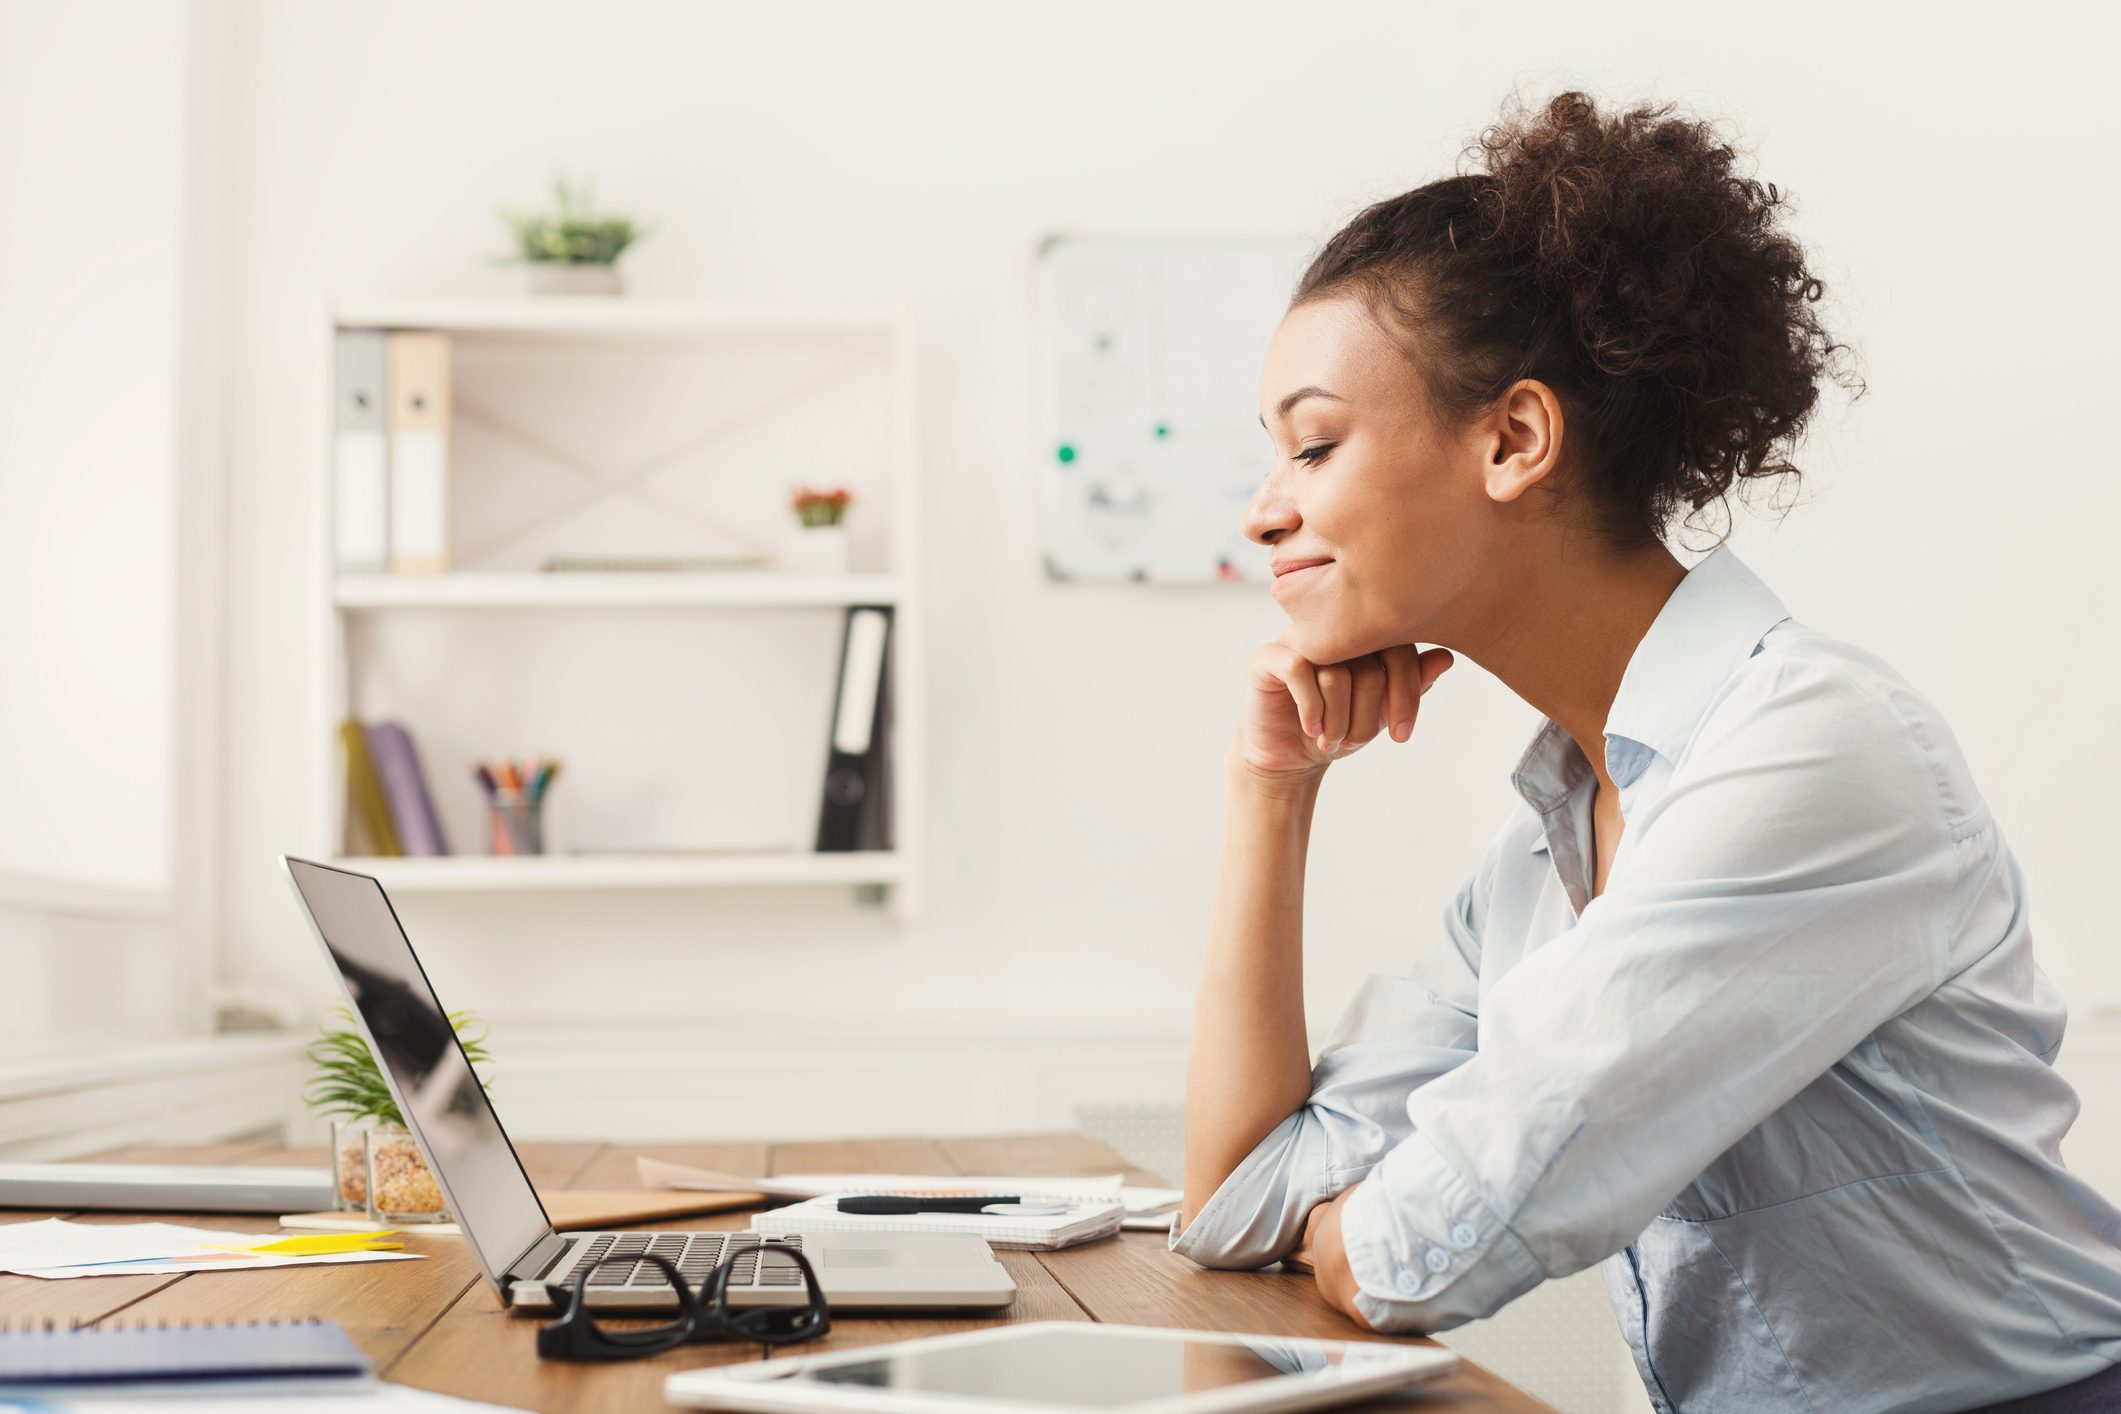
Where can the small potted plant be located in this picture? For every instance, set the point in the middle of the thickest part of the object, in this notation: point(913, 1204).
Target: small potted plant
point(376, 1165)
point(820, 543)
point(572, 250)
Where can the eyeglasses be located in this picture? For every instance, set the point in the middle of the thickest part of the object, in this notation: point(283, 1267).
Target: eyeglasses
point(703, 1315)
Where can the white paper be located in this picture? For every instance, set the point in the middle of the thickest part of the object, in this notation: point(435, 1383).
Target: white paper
point(221, 1262)
point(1143, 1202)
point(54, 1242)
point(1085, 1218)
point(659, 1173)
point(56, 1250)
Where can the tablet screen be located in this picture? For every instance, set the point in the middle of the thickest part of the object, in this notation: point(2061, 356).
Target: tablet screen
point(1084, 1368)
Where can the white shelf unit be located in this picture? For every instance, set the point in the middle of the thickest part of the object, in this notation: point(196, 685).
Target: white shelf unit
point(763, 356)
point(739, 589)
point(472, 873)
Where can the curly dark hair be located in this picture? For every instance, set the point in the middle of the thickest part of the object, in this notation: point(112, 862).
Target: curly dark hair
point(1623, 261)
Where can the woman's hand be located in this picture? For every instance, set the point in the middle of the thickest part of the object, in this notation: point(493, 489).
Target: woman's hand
point(1300, 717)
point(1323, 1254)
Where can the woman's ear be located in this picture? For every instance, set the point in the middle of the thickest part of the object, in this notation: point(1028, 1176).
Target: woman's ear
point(1525, 439)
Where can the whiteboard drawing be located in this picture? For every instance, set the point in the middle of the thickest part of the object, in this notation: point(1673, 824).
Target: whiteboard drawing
point(1150, 443)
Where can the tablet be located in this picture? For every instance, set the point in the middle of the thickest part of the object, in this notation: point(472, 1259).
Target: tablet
point(1066, 1367)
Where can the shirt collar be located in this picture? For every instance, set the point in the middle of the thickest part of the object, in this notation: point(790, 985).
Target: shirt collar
point(1714, 621)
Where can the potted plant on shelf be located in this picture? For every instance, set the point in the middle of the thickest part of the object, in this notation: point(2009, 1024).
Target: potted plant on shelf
point(820, 543)
point(572, 250)
point(376, 1165)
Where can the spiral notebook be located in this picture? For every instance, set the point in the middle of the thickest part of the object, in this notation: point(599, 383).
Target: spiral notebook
point(311, 1355)
point(1086, 1218)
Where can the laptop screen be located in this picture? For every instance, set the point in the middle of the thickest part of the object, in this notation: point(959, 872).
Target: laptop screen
point(436, 1090)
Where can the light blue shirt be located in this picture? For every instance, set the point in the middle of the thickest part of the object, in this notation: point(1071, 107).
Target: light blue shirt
point(1789, 1078)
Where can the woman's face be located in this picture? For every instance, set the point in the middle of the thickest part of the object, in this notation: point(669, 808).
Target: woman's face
point(1377, 516)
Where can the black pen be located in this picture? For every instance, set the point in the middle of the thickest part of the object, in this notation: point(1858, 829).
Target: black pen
point(882, 1204)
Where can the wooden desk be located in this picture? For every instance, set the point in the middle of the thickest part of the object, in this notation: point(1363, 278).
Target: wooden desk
point(436, 1324)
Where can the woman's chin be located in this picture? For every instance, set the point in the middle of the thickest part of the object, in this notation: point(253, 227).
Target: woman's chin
point(1326, 642)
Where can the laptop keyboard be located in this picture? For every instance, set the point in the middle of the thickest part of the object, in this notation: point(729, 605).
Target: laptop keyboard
point(694, 1254)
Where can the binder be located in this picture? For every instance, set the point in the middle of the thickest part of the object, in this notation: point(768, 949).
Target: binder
point(419, 451)
point(367, 814)
point(360, 462)
point(412, 811)
point(856, 811)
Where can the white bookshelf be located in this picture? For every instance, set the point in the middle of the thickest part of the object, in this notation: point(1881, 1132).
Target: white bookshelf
point(561, 316)
point(471, 873)
point(737, 589)
point(388, 640)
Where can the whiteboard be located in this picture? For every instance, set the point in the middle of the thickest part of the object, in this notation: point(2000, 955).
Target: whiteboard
point(1150, 443)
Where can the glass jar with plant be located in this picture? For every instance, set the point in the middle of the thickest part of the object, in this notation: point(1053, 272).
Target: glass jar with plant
point(572, 250)
point(377, 1167)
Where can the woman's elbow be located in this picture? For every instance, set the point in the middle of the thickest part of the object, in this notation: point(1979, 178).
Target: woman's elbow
point(1227, 1256)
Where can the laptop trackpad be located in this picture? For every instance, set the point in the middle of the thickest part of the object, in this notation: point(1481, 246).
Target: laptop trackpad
point(915, 1251)
point(866, 1257)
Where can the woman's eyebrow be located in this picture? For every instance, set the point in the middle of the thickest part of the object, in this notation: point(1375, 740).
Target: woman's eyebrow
point(1308, 391)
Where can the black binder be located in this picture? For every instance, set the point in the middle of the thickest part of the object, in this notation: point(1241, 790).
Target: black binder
point(856, 812)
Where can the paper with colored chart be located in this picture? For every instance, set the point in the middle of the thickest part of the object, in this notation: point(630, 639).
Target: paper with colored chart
point(56, 1249)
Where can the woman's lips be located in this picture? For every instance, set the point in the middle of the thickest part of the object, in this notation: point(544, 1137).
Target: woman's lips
point(1297, 574)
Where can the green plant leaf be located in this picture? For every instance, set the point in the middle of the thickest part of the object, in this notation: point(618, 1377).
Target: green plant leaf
point(573, 234)
point(348, 1083)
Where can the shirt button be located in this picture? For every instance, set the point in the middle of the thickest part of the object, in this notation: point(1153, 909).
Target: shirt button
point(1409, 1283)
point(1436, 1259)
point(1463, 1235)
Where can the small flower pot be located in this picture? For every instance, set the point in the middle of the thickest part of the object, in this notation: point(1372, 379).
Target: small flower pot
point(561, 277)
point(816, 549)
point(401, 1188)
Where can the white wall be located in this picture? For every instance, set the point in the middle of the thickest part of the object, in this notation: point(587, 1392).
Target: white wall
point(89, 261)
point(1948, 184)
point(108, 168)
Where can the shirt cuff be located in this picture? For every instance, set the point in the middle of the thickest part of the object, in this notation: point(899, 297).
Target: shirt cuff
point(1426, 1250)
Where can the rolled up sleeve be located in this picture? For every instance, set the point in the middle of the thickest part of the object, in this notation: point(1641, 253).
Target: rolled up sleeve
point(1397, 1034)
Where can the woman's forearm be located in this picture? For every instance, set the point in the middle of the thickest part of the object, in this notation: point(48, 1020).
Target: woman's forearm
point(1249, 1063)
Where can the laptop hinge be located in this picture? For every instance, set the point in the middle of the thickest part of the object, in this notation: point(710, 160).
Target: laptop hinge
point(542, 1258)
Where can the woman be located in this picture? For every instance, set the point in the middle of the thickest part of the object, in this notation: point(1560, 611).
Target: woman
point(1742, 1004)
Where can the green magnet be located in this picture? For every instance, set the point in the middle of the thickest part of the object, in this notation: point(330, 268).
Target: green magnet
point(1066, 453)
point(1163, 429)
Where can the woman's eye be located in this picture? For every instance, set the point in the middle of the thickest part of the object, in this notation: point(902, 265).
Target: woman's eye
point(1313, 455)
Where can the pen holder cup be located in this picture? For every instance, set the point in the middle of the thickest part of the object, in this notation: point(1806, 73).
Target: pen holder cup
point(515, 828)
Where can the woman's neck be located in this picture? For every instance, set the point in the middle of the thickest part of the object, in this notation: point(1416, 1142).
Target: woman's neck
point(1572, 624)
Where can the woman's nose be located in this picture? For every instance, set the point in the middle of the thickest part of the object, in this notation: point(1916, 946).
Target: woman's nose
point(1271, 513)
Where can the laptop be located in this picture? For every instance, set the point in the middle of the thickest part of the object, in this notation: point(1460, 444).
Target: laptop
point(529, 1264)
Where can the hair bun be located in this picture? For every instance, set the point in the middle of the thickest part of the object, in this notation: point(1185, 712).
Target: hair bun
point(1672, 267)
point(1625, 260)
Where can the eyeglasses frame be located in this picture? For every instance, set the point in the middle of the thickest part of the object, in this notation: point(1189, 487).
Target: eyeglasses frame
point(703, 1315)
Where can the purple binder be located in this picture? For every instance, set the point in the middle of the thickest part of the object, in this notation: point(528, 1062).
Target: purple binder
point(412, 813)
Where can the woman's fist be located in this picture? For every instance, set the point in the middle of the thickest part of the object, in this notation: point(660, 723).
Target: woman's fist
point(1301, 716)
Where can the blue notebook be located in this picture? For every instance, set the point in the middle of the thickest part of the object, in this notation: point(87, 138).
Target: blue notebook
point(180, 1355)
